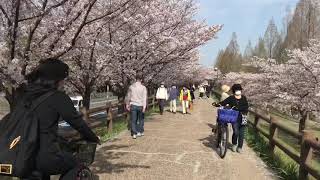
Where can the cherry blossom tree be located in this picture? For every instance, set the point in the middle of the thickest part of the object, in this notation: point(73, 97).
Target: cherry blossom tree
point(104, 42)
point(168, 39)
point(41, 29)
point(294, 84)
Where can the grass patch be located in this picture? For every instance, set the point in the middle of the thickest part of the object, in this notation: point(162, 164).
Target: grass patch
point(118, 126)
point(279, 162)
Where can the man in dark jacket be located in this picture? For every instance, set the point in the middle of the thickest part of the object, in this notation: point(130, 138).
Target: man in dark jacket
point(50, 159)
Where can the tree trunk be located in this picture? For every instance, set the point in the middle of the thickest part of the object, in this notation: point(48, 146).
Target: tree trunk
point(87, 98)
point(10, 95)
point(303, 120)
point(121, 108)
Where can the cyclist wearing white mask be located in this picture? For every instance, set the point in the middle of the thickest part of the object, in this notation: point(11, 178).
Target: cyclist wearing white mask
point(238, 102)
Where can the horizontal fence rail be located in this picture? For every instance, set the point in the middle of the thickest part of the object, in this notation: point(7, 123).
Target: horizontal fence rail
point(307, 140)
point(112, 110)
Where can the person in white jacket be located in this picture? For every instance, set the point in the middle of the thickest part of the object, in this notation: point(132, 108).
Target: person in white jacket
point(201, 91)
point(162, 97)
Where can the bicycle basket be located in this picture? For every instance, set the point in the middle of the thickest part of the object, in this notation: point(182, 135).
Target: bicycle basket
point(227, 115)
point(86, 153)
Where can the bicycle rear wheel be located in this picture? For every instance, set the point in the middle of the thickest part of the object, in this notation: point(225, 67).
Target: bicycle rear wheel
point(223, 142)
point(85, 174)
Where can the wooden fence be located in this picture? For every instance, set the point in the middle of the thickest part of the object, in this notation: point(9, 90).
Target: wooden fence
point(307, 140)
point(113, 110)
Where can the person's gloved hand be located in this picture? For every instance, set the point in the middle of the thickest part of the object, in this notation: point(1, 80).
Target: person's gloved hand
point(99, 141)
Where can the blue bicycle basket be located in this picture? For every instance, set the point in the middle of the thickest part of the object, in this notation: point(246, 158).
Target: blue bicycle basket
point(227, 115)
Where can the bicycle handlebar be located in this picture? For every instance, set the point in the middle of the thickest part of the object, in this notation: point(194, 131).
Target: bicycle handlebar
point(219, 105)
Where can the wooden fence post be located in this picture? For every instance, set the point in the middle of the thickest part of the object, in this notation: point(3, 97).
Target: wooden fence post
point(256, 121)
point(109, 117)
point(128, 120)
point(305, 156)
point(303, 120)
point(268, 112)
point(272, 133)
point(153, 103)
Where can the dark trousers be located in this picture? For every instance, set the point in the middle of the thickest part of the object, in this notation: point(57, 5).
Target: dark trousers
point(238, 134)
point(54, 164)
point(137, 119)
point(161, 105)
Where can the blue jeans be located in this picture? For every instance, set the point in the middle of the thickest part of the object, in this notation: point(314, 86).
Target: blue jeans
point(137, 119)
point(238, 134)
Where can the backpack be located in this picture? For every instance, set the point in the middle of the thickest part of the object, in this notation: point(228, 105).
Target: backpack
point(19, 139)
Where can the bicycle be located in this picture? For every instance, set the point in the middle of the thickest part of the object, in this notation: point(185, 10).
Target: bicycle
point(226, 115)
point(83, 151)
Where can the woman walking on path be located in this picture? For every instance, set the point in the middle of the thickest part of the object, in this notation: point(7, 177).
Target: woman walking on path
point(240, 103)
point(224, 95)
point(201, 91)
point(192, 90)
point(173, 96)
point(185, 98)
point(162, 96)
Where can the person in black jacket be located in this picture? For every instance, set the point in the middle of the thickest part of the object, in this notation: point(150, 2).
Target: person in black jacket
point(238, 102)
point(50, 159)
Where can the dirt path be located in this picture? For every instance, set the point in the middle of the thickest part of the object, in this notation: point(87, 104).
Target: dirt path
point(175, 147)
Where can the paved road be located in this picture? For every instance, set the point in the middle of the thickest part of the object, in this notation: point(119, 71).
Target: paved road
point(175, 147)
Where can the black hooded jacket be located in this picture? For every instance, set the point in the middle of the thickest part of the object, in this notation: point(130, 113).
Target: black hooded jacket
point(49, 112)
point(240, 105)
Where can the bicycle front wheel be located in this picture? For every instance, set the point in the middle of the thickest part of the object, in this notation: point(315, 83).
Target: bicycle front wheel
point(85, 174)
point(223, 143)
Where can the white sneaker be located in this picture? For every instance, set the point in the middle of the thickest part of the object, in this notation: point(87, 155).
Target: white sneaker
point(142, 134)
point(134, 136)
point(239, 150)
point(234, 147)
point(139, 134)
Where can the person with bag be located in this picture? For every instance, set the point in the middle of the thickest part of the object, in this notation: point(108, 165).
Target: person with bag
point(162, 97)
point(185, 98)
point(36, 117)
point(239, 103)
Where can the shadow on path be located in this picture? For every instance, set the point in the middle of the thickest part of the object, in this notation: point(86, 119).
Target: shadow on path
point(105, 156)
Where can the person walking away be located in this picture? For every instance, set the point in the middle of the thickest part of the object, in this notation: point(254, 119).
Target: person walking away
point(162, 97)
point(136, 104)
point(173, 96)
point(208, 91)
point(192, 90)
point(49, 77)
point(201, 91)
point(185, 98)
point(224, 95)
point(240, 103)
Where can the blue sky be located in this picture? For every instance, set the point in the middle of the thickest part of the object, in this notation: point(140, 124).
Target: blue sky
point(248, 18)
